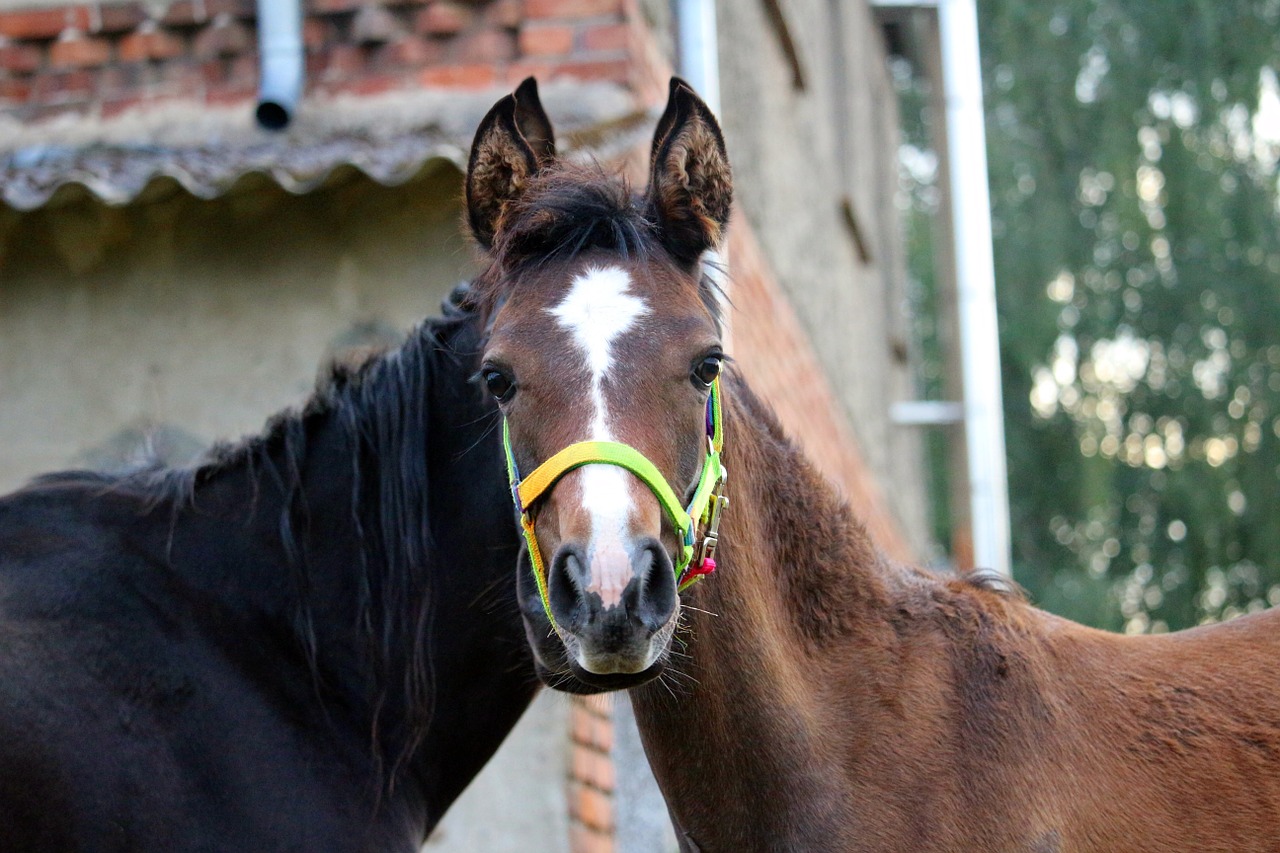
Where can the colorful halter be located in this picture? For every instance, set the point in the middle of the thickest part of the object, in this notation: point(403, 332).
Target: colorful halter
point(704, 509)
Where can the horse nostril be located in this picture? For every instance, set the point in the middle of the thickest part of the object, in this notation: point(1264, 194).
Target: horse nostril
point(655, 599)
point(565, 582)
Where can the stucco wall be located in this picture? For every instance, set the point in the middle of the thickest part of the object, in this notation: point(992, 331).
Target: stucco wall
point(798, 154)
point(206, 316)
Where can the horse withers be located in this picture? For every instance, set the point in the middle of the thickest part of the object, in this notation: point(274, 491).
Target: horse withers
point(297, 645)
point(809, 695)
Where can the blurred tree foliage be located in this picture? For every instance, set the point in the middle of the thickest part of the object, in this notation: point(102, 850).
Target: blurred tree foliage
point(1133, 150)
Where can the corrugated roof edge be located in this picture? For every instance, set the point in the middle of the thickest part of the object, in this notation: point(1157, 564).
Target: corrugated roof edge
point(207, 151)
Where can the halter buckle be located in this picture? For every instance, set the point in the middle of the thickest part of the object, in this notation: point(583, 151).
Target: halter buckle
point(706, 562)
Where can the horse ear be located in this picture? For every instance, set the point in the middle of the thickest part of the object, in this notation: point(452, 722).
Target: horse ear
point(690, 184)
point(533, 123)
point(513, 142)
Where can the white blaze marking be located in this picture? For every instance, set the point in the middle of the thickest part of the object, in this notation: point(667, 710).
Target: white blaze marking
point(596, 311)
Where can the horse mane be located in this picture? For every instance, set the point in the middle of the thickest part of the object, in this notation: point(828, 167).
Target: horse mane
point(821, 596)
point(568, 209)
point(381, 407)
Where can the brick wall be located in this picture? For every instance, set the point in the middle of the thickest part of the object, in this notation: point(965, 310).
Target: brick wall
point(775, 354)
point(591, 775)
point(102, 59)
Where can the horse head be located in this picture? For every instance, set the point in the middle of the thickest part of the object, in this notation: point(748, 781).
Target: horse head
point(603, 353)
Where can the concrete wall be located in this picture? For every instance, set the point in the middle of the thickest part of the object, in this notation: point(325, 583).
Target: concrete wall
point(518, 802)
point(204, 316)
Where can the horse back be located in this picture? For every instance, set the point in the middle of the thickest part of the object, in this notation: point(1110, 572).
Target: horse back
point(1161, 743)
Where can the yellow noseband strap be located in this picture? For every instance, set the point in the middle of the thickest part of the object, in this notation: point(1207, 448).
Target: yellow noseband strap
point(704, 508)
point(609, 452)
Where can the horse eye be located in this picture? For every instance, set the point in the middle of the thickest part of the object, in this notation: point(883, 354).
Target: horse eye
point(706, 371)
point(499, 385)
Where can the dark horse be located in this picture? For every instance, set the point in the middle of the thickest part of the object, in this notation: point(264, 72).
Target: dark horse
point(296, 646)
point(825, 699)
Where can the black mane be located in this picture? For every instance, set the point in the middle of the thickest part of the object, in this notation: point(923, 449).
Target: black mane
point(381, 407)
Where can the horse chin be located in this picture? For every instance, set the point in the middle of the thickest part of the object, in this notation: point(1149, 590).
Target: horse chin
point(616, 680)
point(575, 679)
point(558, 671)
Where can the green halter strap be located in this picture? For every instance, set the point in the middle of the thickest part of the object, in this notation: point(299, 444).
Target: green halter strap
point(704, 509)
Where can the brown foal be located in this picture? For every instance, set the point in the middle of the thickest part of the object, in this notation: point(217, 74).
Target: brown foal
point(809, 695)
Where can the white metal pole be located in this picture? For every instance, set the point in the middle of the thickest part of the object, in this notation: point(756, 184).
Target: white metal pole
point(699, 51)
point(281, 63)
point(699, 60)
point(975, 281)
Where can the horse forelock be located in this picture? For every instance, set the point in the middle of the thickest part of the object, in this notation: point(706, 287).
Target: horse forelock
point(567, 210)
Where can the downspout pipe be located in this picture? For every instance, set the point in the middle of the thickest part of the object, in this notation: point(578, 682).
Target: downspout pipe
point(280, 62)
point(976, 284)
point(699, 49)
point(698, 58)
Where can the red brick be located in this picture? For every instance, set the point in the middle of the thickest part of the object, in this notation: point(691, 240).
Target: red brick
point(184, 13)
point(459, 76)
point(617, 70)
point(20, 58)
point(224, 37)
point(342, 61)
point(606, 37)
point(542, 40)
point(591, 728)
point(112, 107)
point(444, 18)
point(520, 69)
point(583, 839)
point(409, 52)
point(546, 69)
point(230, 95)
point(593, 768)
point(14, 91)
point(74, 49)
point(602, 735)
point(188, 13)
point(149, 42)
point(488, 46)
point(374, 84)
point(316, 33)
point(571, 8)
point(591, 807)
point(116, 18)
point(42, 23)
point(242, 71)
point(581, 724)
point(504, 13)
point(62, 86)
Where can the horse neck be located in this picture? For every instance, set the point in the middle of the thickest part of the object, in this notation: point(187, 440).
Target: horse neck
point(801, 601)
point(276, 535)
point(320, 538)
